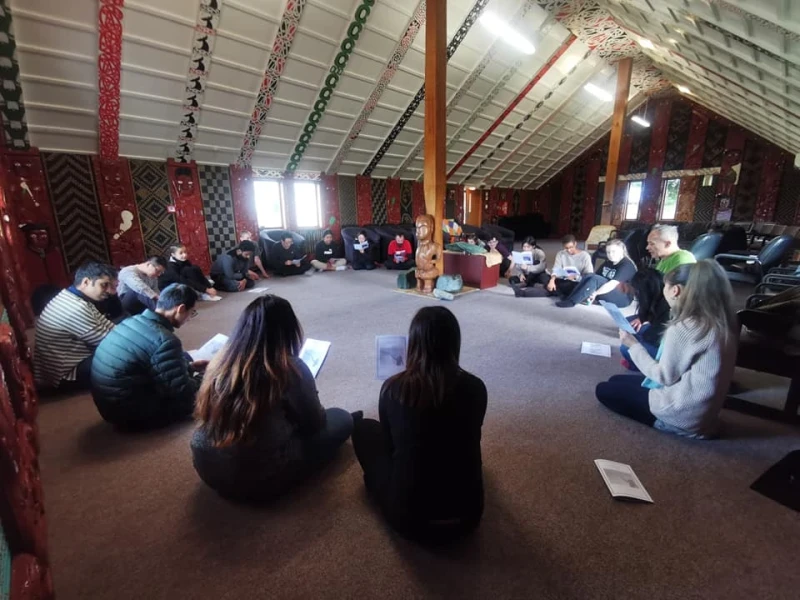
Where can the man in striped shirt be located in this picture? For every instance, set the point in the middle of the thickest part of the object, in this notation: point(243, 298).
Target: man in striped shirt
point(70, 328)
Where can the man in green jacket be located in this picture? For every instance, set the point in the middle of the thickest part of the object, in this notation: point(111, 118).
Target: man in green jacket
point(662, 244)
point(141, 377)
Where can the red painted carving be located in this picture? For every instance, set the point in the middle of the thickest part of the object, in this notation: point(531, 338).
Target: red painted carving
point(734, 148)
point(9, 447)
point(696, 145)
point(363, 200)
point(687, 198)
point(28, 202)
point(330, 204)
point(567, 189)
point(418, 199)
point(184, 189)
point(18, 376)
point(109, 59)
point(392, 200)
point(118, 207)
point(771, 175)
point(30, 579)
point(590, 205)
point(658, 148)
point(244, 204)
point(14, 286)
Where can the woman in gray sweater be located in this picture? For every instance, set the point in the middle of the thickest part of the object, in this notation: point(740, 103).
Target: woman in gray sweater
point(683, 388)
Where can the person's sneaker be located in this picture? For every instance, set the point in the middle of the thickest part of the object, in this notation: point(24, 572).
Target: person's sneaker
point(625, 364)
point(442, 295)
point(565, 304)
point(341, 268)
point(209, 298)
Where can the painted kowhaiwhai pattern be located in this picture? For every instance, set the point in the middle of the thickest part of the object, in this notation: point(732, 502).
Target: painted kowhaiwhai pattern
point(459, 36)
point(406, 202)
point(205, 35)
point(331, 81)
point(379, 201)
point(272, 75)
point(348, 214)
point(151, 188)
point(11, 105)
point(399, 53)
point(215, 189)
point(71, 184)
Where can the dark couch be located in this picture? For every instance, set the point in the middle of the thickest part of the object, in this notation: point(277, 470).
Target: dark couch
point(267, 238)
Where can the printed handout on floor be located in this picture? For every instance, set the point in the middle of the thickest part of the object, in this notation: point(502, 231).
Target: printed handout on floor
point(390, 357)
point(622, 482)
point(596, 349)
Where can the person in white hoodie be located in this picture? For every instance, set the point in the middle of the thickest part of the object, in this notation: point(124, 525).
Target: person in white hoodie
point(683, 388)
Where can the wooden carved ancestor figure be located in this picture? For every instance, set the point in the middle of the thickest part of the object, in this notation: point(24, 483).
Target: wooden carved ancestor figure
point(428, 253)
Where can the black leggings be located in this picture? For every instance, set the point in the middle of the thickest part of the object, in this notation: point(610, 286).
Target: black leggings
point(231, 285)
point(194, 278)
point(625, 395)
point(288, 270)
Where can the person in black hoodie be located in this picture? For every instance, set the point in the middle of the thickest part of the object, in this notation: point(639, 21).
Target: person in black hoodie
point(328, 254)
point(363, 256)
point(422, 461)
point(230, 271)
point(180, 270)
point(284, 258)
point(652, 313)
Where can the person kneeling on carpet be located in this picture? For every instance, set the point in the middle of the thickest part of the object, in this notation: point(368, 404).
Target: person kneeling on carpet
point(328, 254)
point(141, 376)
point(181, 270)
point(605, 285)
point(682, 390)
point(261, 427)
point(422, 461)
point(525, 276)
point(284, 258)
point(363, 257)
point(231, 272)
point(400, 256)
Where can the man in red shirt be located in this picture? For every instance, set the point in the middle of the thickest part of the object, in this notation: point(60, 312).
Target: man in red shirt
point(399, 252)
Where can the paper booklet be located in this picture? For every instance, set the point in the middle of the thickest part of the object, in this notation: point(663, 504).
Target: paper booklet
point(390, 355)
point(567, 272)
point(622, 482)
point(257, 290)
point(313, 353)
point(359, 246)
point(297, 261)
point(596, 349)
point(210, 348)
point(618, 317)
point(522, 258)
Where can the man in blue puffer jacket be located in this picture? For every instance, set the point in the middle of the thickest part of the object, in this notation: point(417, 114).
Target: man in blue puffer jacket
point(140, 375)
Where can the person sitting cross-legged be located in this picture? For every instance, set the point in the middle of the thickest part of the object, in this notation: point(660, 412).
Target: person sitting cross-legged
point(363, 258)
point(261, 427)
point(570, 256)
point(141, 376)
point(399, 253)
point(605, 285)
point(328, 255)
point(652, 312)
point(231, 272)
point(138, 285)
point(181, 270)
point(525, 276)
point(70, 328)
point(256, 267)
point(284, 258)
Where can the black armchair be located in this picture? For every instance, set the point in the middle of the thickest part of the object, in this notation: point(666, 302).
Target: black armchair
point(387, 234)
point(706, 245)
point(349, 235)
point(751, 269)
point(504, 235)
point(267, 238)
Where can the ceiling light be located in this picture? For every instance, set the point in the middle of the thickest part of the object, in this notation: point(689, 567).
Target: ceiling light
point(673, 41)
point(598, 92)
point(502, 29)
point(567, 64)
point(640, 121)
point(684, 90)
point(471, 188)
point(645, 43)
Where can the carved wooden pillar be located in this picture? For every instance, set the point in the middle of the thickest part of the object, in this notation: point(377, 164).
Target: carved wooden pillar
point(651, 190)
point(118, 208)
point(244, 203)
point(184, 188)
point(331, 217)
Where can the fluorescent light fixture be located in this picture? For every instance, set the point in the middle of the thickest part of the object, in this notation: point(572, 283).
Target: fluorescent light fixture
point(645, 43)
point(673, 41)
point(598, 92)
point(684, 90)
point(510, 35)
point(640, 121)
point(568, 63)
point(471, 188)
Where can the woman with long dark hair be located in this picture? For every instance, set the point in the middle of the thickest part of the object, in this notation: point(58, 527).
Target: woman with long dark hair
point(652, 312)
point(261, 426)
point(422, 461)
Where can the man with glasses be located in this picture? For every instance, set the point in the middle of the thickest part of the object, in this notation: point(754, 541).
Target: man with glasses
point(575, 261)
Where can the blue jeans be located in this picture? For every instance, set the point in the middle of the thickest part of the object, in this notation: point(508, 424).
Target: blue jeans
point(321, 447)
point(625, 395)
point(652, 349)
point(589, 284)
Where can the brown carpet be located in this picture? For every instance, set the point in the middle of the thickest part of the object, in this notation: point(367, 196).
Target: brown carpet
point(129, 518)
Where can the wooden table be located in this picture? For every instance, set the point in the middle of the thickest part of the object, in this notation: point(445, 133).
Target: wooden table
point(472, 268)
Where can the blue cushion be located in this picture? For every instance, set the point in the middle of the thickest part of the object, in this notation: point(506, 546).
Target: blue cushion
point(449, 283)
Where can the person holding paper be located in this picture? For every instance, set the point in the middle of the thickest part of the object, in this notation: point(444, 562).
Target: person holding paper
point(141, 377)
point(571, 257)
point(400, 254)
point(662, 244)
point(652, 313)
point(363, 257)
point(605, 285)
point(261, 427)
point(285, 259)
point(422, 461)
point(328, 254)
point(682, 390)
point(524, 275)
point(231, 272)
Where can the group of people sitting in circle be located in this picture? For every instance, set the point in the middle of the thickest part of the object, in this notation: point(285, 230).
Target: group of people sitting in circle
point(260, 425)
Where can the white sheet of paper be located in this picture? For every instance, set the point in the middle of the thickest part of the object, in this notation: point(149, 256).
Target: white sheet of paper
point(622, 482)
point(313, 353)
point(210, 348)
point(257, 290)
point(567, 272)
point(522, 258)
point(390, 355)
point(618, 317)
point(596, 349)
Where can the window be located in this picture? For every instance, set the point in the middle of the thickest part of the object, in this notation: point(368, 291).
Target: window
point(634, 196)
point(269, 203)
point(669, 199)
point(306, 203)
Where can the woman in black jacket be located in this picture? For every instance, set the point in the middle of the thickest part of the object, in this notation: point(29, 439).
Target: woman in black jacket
point(261, 427)
point(652, 313)
point(180, 270)
point(422, 461)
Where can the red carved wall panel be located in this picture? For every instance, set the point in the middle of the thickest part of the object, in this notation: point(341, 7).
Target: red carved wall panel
point(184, 189)
point(567, 189)
point(244, 203)
point(590, 204)
point(392, 200)
point(771, 176)
point(418, 199)
point(118, 209)
point(734, 151)
point(651, 193)
point(363, 200)
point(696, 144)
point(109, 58)
point(687, 198)
point(329, 189)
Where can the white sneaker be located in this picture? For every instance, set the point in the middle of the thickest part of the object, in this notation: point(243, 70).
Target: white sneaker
point(209, 298)
point(341, 268)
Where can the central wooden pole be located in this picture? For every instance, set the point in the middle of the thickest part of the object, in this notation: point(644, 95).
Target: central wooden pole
point(624, 69)
point(435, 122)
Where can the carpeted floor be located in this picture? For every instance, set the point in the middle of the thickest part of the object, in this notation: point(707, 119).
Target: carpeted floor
point(129, 518)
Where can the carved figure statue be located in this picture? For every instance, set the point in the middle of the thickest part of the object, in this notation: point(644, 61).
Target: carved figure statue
point(184, 182)
point(428, 252)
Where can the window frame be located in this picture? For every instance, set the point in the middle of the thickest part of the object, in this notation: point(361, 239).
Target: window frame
point(640, 183)
point(281, 201)
point(318, 199)
point(662, 203)
point(286, 221)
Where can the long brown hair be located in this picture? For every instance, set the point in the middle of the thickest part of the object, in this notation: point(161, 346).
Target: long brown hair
point(707, 298)
point(434, 346)
point(251, 373)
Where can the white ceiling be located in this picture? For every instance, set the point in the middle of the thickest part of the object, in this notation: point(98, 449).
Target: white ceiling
point(57, 50)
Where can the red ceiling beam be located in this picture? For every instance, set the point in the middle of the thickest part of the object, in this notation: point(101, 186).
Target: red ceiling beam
point(520, 97)
point(109, 60)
